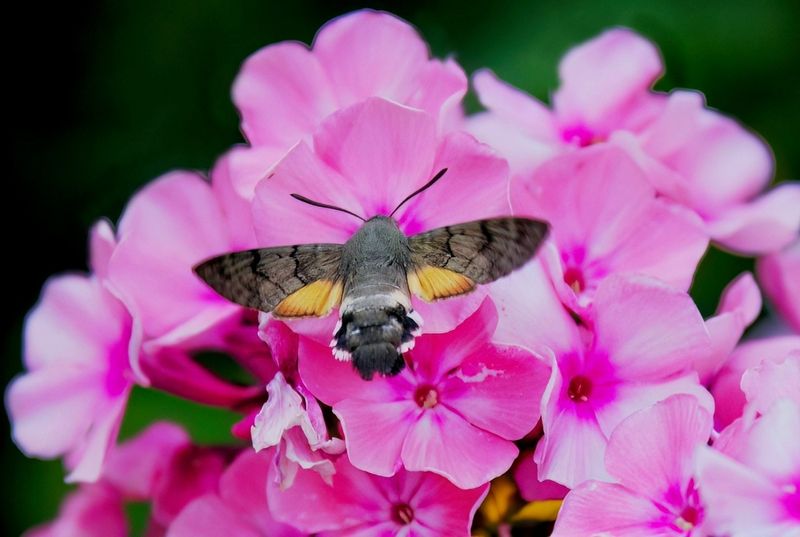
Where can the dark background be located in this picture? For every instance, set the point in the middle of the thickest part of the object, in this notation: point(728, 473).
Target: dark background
point(105, 96)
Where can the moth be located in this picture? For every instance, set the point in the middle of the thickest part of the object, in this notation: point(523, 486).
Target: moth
point(371, 278)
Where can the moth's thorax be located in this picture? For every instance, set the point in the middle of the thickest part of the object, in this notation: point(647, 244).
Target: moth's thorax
point(374, 265)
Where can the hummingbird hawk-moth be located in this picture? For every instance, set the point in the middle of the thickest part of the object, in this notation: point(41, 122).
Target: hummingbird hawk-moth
point(371, 278)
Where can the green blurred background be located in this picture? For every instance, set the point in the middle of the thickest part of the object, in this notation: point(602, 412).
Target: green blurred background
point(108, 95)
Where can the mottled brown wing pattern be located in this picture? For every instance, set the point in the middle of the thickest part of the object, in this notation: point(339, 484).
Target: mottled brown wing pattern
point(482, 251)
point(264, 277)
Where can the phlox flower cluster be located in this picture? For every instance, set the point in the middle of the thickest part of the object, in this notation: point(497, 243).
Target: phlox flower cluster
point(587, 380)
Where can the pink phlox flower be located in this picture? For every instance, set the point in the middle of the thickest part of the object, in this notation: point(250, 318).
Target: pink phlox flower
point(727, 384)
point(367, 159)
point(168, 227)
point(453, 411)
point(605, 219)
point(93, 510)
point(752, 486)
point(650, 457)
point(284, 92)
point(692, 154)
point(779, 275)
point(238, 508)
point(635, 349)
point(360, 504)
point(78, 346)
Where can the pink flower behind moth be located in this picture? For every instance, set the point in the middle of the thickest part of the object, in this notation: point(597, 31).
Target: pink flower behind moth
point(79, 341)
point(692, 154)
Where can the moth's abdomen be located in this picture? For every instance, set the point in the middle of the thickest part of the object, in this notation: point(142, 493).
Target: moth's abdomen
point(375, 339)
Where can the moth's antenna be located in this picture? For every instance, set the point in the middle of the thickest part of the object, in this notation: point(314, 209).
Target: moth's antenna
point(424, 187)
point(324, 205)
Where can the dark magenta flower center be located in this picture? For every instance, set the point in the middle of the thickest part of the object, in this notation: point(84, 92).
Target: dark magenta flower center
point(792, 500)
point(426, 396)
point(579, 135)
point(402, 514)
point(688, 518)
point(579, 389)
point(574, 278)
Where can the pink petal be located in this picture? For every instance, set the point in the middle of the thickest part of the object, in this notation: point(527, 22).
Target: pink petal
point(75, 322)
point(514, 106)
point(375, 432)
point(192, 472)
point(522, 152)
point(101, 245)
point(240, 508)
point(573, 446)
point(779, 275)
point(87, 459)
point(771, 381)
point(176, 371)
point(54, 408)
point(571, 451)
point(332, 380)
point(762, 226)
point(435, 355)
point(601, 76)
point(443, 509)
point(649, 330)
point(275, 213)
point(440, 87)
point(498, 389)
point(282, 411)
point(531, 315)
point(740, 502)
point(370, 53)
point(384, 150)
point(444, 443)
point(282, 93)
point(444, 315)
point(312, 505)
point(474, 187)
point(772, 447)
point(631, 396)
point(210, 516)
point(595, 508)
point(652, 450)
point(134, 466)
point(233, 179)
point(168, 227)
point(722, 163)
point(730, 399)
point(530, 488)
point(91, 511)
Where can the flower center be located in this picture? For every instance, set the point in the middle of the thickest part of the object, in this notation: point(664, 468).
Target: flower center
point(426, 396)
point(402, 514)
point(688, 518)
point(792, 500)
point(579, 389)
point(574, 278)
point(579, 135)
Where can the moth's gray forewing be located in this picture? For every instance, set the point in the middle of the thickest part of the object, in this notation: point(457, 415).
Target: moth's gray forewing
point(483, 250)
point(262, 278)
